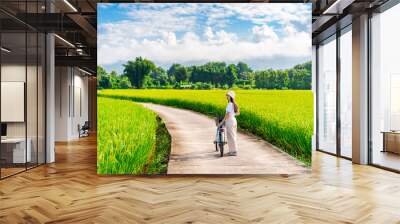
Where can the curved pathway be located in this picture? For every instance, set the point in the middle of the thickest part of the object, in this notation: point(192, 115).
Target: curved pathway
point(193, 150)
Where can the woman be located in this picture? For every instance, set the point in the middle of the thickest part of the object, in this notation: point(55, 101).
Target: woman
point(232, 110)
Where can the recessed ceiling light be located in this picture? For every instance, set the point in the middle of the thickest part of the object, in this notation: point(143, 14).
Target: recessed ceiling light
point(64, 40)
point(338, 6)
point(86, 72)
point(5, 50)
point(70, 5)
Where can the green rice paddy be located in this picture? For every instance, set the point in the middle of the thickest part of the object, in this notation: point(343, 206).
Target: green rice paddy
point(282, 117)
point(130, 139)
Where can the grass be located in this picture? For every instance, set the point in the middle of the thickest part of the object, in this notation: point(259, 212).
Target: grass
point(126, 144)
point(282, 117)
point(159, 161)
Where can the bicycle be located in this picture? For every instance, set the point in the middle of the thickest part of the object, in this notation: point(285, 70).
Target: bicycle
point(220, 137)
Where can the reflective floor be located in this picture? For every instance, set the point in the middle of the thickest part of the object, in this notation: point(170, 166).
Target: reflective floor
point(387, 159)
point(70, 191)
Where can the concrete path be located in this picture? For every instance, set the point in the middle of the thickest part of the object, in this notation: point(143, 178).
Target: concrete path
point(193, 150)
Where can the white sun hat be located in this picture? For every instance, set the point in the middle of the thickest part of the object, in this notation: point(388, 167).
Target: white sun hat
point(231, 94)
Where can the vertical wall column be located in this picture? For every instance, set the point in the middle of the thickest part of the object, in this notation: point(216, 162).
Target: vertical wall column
point(92, 100)
point(314, 90)
point(63, 99)
point(360, 90)
point(50, 98)
point(50, 91)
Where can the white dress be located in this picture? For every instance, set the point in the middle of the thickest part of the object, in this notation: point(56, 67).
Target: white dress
point(231, 127)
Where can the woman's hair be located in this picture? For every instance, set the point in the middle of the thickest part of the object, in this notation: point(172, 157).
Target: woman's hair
point(235, 106)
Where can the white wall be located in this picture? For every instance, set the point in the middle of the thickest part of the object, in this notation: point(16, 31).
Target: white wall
point(62, 82)
point(13, 101)
point(33, 126)
point(17, 73)
point(13, 72)
point(81, 88)
point(71, 87)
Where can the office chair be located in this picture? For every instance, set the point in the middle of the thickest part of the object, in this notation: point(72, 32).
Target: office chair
point(84, 130)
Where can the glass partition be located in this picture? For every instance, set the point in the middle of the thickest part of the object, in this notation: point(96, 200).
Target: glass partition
point(327, 95)
point(385, 89)
point(13, 114)
point(22, 101)
point(346, 92)
point(41, 109)
point(31, 99)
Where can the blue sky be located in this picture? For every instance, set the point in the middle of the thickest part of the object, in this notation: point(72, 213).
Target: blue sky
point(260, 34)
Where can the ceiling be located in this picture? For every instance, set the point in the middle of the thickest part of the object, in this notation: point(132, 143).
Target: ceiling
point(75, 22)
point(331, 15)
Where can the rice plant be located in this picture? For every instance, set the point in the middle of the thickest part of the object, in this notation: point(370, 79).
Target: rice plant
point(282, 117)
point(130, 139)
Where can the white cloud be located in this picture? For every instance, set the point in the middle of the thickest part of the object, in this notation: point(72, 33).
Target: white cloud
point(169, 38)
point(264, 32)
point(190, 38)
point(165, 34)
point(208, 33)
point(219, 37)
point(222, 47)
point(289, 29)
point(164, 16)
point(265, 13)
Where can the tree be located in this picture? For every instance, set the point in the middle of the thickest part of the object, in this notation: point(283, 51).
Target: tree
point(103, 79)
point(137, 71)
point(306, 66)
point(231, 75)
point(267, 79)
point(143, 73)
point(159, 77)
point(124, 83)
point(260, 79)
point(243, 69)
point(179, 72)
point(172, 70)
point(299, 79)
point(281, 79)
point(114, 79)
point(215, 72)
point(300, 76)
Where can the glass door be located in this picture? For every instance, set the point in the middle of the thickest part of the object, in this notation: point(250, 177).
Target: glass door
point(14, 153)
point(327, 96)
point(346, 92)
point(385, 89)
point(32, 98)
point(22, 100)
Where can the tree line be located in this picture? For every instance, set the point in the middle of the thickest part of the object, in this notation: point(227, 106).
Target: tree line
point(143, 73)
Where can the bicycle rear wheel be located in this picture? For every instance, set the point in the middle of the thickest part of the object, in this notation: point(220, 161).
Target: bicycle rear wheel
point(221, 148)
